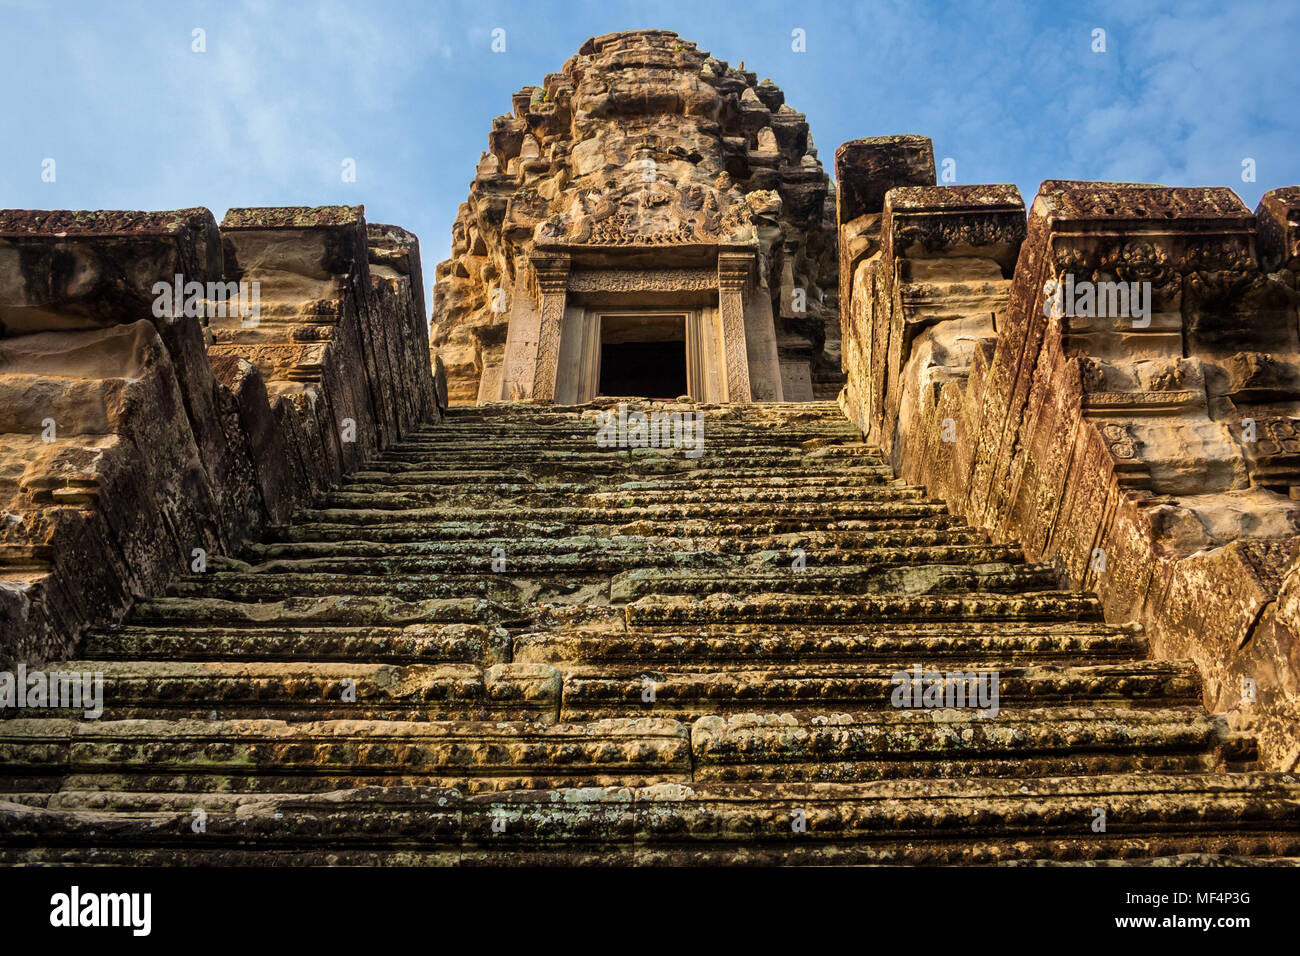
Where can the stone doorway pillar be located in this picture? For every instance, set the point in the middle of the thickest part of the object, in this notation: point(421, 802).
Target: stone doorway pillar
point(734, 269)
point(551, 279)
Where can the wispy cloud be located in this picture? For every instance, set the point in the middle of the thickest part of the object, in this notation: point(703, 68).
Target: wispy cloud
point(1011, 91)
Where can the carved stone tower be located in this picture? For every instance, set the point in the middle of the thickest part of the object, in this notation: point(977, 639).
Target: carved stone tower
point(648, 222)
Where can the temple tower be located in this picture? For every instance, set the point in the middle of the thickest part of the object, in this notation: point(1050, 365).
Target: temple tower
point(649, 221)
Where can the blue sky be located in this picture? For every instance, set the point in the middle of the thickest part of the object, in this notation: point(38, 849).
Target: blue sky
point(1013, 92)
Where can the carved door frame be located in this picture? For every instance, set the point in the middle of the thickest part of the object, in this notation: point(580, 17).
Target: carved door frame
point(580, 345)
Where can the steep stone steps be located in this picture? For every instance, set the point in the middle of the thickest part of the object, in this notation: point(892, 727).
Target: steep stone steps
point(542, 497)
point(414, 643)
point(1027, 743)
point(479, 580)
point(268, 755)
point(1150, 816)
point(984, 644)
point(690, 660)
point(589, 692)
point(400, 528)
point(316, 690)
point(821, 546)
point(782, 608)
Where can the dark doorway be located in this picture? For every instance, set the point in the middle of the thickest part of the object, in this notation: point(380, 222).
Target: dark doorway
point(643, 355)
point(655, 370)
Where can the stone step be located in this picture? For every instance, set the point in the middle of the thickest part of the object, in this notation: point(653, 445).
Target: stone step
point(915, 822)
point(414, 643)
point(577, 516)
point(820, 547)
point(236, 586)
point(591, 691)
point(577, 459)
point(257, 755)
point(590, 436)
point(983, 643)
point(610, 470)
point(791, 493)
point(261, 755)
point(760, 426)
point(319, 690)
point(352, 610)
point(1054, 742)
point(814, 444)
point(541, 497)
point(1204, 817)
point(761, 429)
point(820, 422)
point(775, 608)
point(909, 578)
point(474, 643)
point(322, 689)
point(555, 578)
point(524, 411)
point(487, 482)
point(399, 527)
point(504, 557)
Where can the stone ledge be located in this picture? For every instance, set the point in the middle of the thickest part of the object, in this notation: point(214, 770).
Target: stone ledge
point(1070, 436)
point(974, 198)
point(220, 454)
point(1278, 217)
point(292, 217)
point(58, 223)
point(866, 169)
point(1142, 206)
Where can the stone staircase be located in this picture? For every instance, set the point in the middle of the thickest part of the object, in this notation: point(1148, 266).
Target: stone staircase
point(499, 643)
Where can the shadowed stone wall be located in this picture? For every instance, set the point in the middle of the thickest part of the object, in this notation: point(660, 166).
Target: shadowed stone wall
point(1153, 458)
point(133, 443)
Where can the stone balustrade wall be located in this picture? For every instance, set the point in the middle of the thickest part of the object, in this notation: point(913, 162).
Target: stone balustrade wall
point(1153, 458)
point(132, 438)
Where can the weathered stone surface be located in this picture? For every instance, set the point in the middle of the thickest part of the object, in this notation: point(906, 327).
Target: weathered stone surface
point(398, 277)
point(635, 179)
point(482, 636)
point(869, 168)
point(137, 436)
point(81, 332)
point(1148, 455)
point(647, 679)
point(1278, 216)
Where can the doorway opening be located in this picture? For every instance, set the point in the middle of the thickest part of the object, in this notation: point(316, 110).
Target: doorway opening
point(643, 355)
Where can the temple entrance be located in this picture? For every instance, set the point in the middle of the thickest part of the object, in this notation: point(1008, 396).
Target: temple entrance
point(643, 355)
point(660, 355)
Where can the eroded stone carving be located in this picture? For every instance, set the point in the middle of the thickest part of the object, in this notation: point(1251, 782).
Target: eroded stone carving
point(1151, 456)
point(132, 440)
point(646, 147)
